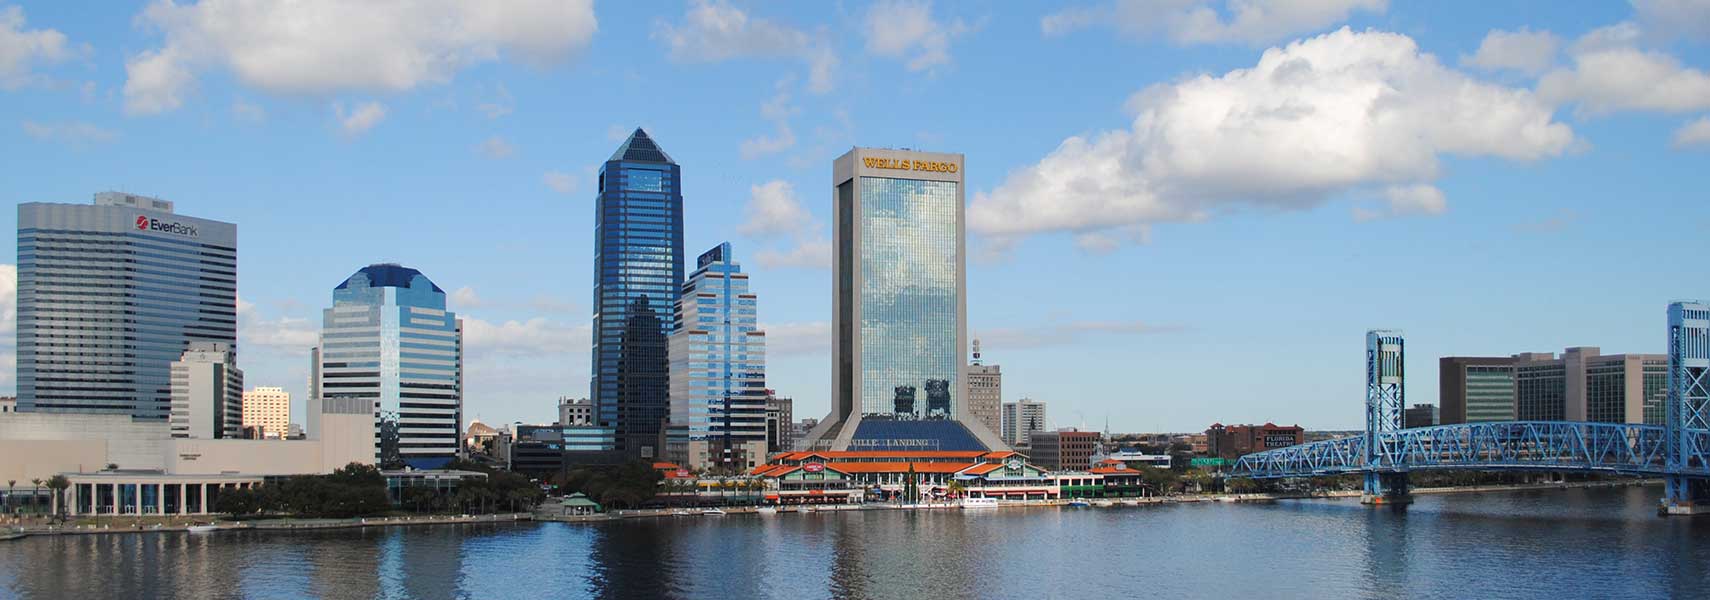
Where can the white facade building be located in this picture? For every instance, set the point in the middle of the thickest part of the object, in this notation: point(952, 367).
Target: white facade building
point(207, 393)
point(1021, 419)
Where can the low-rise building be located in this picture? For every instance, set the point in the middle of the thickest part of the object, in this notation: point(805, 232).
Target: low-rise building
point(1064, 449)
point(1234, 441)
point(1419, 415)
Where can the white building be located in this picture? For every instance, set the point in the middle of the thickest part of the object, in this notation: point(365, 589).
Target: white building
point(268, 411)
point(575, 411)
point(207, 393)
point(1021, 419)
point(984, 392)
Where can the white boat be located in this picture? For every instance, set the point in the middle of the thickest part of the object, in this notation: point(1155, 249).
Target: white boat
point(1104, 503)
point(766, 510)
point(979, 503)
point(713, 511)
point(203, 528)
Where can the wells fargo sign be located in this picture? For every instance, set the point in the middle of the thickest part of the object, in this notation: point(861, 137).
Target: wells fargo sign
point(900, 164)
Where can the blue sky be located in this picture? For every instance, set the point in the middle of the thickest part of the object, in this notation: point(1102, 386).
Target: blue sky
point(1181, 211)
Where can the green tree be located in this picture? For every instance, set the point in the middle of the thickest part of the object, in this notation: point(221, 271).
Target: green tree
point(58, 483)
point(36, 493)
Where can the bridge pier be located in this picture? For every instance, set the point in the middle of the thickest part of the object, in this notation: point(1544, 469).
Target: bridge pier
point(1685, 496)
point(1387, 489)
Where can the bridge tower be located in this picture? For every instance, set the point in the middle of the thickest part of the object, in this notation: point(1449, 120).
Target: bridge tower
point(1386, 482)
point(1688, 443)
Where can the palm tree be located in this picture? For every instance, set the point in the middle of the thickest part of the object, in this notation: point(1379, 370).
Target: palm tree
point(9, 484)
point(58, 483)
point(36, 492)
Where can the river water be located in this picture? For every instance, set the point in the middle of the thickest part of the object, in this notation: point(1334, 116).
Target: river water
point(1528, 544)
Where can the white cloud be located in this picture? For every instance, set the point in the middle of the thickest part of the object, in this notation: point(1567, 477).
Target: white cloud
point(559, 181)
point(1253, 22)
point(790, 339)
point(1406, 200)
point(464, 298)
point(1338, 113)
point(360, 119)
point(22, 49)
point(8, 301)
point(714, 31)
point(907, 30)
point(285, 332)
point(496, 148)
point(1611, 74)
point(1693, 135)
point(532, 337)
point(1525, 51)
point(776, 110)
point(1057, 334)
point(76, 134)
point(773, 209)
point(329, 46)
point(811, 252)
point(1674, 18)
point(248, 111)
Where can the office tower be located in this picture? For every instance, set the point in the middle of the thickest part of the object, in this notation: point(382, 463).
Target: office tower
point(389, 342)
point(638, 266)
point(1066, 449)
point(1419, 415)
point(207, 393)
point(984, 392)
point(575, 411)
point(1475, 389)
point(110, 294)
point(1586, 385)
point(780, 424)
point(268, 411)
point(899, 316)
point(718, 369)
point(313, 402)
point(1021, 419)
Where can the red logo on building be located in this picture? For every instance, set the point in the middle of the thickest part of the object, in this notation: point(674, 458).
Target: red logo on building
point(813, 467)
point(142, 222)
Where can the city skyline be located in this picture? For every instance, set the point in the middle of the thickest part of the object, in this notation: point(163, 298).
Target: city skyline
point(482, 171)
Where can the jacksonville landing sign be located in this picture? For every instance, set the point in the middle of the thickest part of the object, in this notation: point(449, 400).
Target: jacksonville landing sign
point(144, 223)
point(900, 164)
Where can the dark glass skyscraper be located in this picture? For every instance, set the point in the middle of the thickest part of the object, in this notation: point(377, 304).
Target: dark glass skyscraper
point(638, 268)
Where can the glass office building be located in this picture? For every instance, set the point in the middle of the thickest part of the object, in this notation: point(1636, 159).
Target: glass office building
point(388, 340)
point(110, 294)
point(638, 267)
point(718, 369)
point(899, 307)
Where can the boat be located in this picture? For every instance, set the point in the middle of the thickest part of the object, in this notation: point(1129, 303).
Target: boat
point(1104, 503)
point(7, 537)
point(1079, 504)
point(203, 528)
point(713, 511)
point(979, 503)
point(766, 510)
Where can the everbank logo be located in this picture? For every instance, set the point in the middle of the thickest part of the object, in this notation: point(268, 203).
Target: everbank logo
point(146, 224)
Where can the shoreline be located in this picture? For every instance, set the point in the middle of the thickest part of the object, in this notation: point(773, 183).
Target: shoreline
point(285, 525)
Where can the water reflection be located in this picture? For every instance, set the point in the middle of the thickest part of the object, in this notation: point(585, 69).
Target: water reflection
point(1523, 544)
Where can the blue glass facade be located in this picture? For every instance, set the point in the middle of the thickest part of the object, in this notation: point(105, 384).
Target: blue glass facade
point(718, 369)
point(638, 266)
point(110, 294)
point(910, 354)
point(389, 340)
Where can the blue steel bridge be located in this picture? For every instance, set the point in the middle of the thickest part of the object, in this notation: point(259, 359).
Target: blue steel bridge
point(1678, 452)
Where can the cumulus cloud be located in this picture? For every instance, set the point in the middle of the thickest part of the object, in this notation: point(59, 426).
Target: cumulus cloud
point(1406, 200)
point(361, 118)
point(1252, 22)
point(775, 212)
point(1322, 117)
point(21, 50)
point(464, 298)
point(791, 339)
point(1611, 73)
point(906, 29)
point(283, 332)
point(329, 46)
point(559, 181)
point(776, 110)
point(76, 134)
point(1525, 51)
point(714, 31)
point(1693, 135)
point(1674, 18)
point(8, 301)
point(496, 148)
point(531, 337)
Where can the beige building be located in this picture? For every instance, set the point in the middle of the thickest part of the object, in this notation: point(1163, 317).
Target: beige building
point(984, 393)
point(268, 411)
point(207, 392)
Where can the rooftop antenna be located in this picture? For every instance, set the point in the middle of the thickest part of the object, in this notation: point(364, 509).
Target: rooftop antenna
point(976, 351)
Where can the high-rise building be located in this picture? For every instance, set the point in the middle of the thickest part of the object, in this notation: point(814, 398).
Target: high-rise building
point(1475, 389)
point(1582, 384)
point(1021, 419)
point(388, 341)
point(984, 392)
point(110, 294)
point(575, 411)
point(638, 267)
point(899, 311)
point(718, 369)
point(1419, 415)
point(268, 411)
point(207, 393)
point(780, 426)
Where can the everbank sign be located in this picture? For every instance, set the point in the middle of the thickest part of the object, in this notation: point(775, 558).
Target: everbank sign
point(144, 223)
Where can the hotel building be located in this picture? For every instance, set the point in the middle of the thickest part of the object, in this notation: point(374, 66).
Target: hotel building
point(267, 412)
point(718, 370)
point(899, 309)
point(389, 345)
point(638, 267)
point(110, 294)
